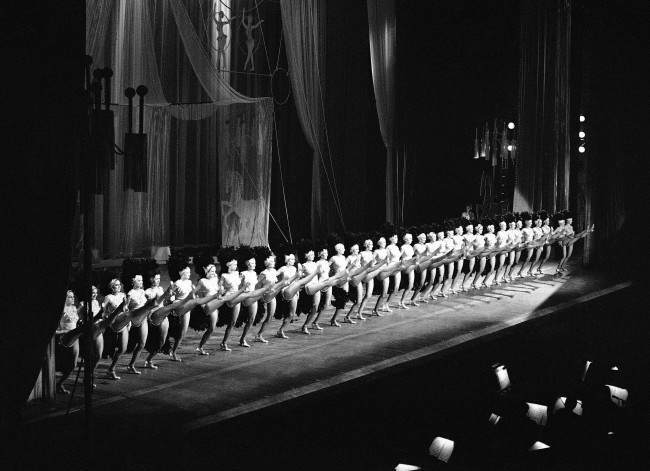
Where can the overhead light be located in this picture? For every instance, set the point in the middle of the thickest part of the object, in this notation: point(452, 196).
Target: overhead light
point(509, 147)
point(582, 149)
point(618, 395)
point(538, 446)
point(582, 118)
point(406, 467)
point(537, 413)
point(511, 125)
point(581, 134)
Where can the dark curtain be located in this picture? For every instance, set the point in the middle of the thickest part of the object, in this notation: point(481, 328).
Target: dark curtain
point(44, 44)
point(613, 173)
point(543, 154)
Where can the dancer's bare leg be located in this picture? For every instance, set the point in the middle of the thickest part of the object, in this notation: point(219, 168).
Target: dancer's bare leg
point(164, 329)
point(143, 332)
point(397, 279)
point(326, 297)
point(469, 276)
point(270, 311)
point(292, 313)
point(449, 280)
point(358, 287)
point(368, 287)
point(384, 293)
point(185, 323)
point(229, 327)
point(312, 312)
point(411, 280)
point(122, 343)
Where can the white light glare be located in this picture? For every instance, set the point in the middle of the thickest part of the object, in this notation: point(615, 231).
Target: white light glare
point(511, 125)
point(581, 134)
point(582, 118)
point(581, 149)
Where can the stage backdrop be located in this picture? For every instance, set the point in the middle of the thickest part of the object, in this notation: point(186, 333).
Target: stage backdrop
point(209, 152)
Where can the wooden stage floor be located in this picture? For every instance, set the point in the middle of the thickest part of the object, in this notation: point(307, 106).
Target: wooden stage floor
point(205, 390)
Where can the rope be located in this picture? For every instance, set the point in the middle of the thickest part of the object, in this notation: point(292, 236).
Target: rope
point(275, 125)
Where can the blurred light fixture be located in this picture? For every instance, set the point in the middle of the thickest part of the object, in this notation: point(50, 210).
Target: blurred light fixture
point(581, 149)
point(509, 147)
point(441, 449)
point(581, 134)
point(502, 376)
point(511, 125)
point(582, 118)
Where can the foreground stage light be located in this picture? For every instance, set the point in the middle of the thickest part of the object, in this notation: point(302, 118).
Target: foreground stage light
point(406, 467)
point(537, 413)
point(582, 118)
point(502, 376)
point(441, 449)
point(585, 369)
point(581, 134)
point(511, 125)
point(494, 419)
point(581, 149)
point(618, 395)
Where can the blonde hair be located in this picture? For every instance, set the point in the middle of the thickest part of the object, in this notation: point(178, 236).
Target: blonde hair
point(114, 282)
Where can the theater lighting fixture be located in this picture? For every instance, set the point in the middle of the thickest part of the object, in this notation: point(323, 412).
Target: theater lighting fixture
point(581, 134)
point(509, 147)
point(494, 419)
point(441, 449)
point(562, 403)
point(511, 125)
point(582, 118)
point(581, 149)
point(585, 369)
point(502, 376)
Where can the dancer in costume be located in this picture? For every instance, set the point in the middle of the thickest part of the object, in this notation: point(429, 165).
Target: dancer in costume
point(326, 293)
point(182, 289)
point(136, 300)
point(527, 240)
point(383, 257)
point(267, 305)
point(478, 245)
point(420, 253)
point(539, 239)
point(208, 285)
point(394, 255)
point(68, 322)
point(288, 297)
point(111, 302)
point(467, 272)
point(547, 231)
point(160, 330)
point(338, 264)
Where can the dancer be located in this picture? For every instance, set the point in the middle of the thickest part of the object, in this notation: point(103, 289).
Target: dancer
point(338, 264)
point(406, 256)
point(569, 233)
point(112, 301)
point(136, 299)
point(538, 239)
point(68, 321)
point(326, 293)
point(518, 241)
point(368, 257)
point(547, 232)
point(491, 256)
point(459, 243)
point(182, 289)
point(381, 256)
point(433, 247)
point(527, 239)
point(503, 245)
point(309, 297)
point(267, 305)
point(394, 255)
point(558, 235)
point(469, 237)
point(355, 292)
point(288, 297)
point(449, 243)
point(420, 252)
point(155, 291)
point(473, 278)
point(209, 285)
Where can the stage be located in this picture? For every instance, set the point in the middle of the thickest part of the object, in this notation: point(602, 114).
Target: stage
point(206, 390)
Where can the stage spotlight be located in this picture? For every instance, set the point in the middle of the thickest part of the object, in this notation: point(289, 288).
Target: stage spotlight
point(502, 376)
point(537, 413)
point(581, 134)
point(441, 449)
point(618, 395)
point(582, 118)
point(406, 467)
point(494, 419)
point(509, 147)
point(511, 125)
point(581, 149)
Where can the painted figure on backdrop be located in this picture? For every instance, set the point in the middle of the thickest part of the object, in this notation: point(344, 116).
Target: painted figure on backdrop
point(221, 20)
point(249, 27)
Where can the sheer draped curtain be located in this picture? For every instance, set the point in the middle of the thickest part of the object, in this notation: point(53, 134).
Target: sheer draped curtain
point(383, 31)
point(195, 123)
point(303, 23)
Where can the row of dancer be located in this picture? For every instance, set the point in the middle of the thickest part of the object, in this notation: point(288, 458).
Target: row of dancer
point(455, 256)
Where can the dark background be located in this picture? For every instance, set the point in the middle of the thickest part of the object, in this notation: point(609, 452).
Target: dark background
point(42, 45)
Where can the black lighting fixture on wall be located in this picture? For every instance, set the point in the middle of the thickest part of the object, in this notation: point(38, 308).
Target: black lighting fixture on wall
point(102, 128)
point(135, 145)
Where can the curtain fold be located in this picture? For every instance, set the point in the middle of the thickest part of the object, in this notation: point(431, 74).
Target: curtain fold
point(543, 158)
point(383, 33)
point(303, 23)
point(195, 122)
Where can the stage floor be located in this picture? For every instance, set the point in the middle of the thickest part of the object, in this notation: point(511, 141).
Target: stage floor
point(205, 390)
